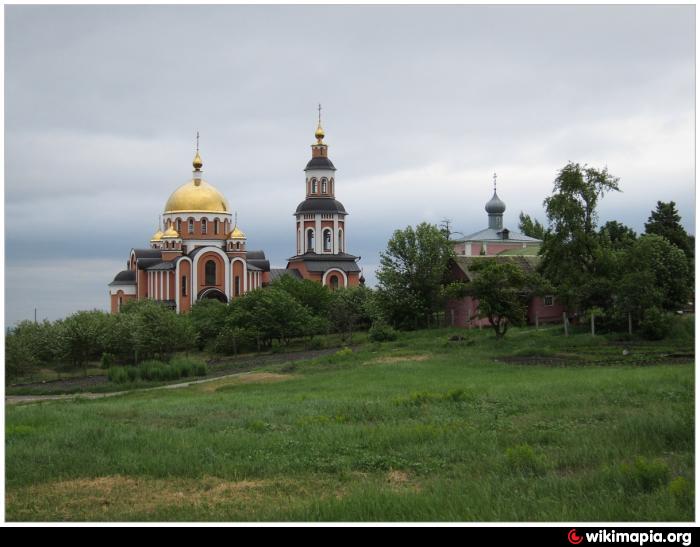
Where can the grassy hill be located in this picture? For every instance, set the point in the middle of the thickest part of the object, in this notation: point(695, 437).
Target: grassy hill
point(539, 427)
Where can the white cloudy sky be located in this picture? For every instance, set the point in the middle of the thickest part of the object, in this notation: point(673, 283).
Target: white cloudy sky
point(421, 106)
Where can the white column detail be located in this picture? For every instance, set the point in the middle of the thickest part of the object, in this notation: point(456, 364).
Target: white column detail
point(336, 235)
point(318, 236)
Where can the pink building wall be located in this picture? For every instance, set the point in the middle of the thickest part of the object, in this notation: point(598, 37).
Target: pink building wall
point(464, 312)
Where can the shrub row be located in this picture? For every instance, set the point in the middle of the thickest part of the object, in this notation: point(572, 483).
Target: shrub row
point(157, 371)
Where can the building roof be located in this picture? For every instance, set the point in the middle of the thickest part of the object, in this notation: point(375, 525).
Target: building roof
point(320, 205)
point(146, 253)
point(531, 250)
point(490, 234)
point(465, 263)
point(257, 259)
point(161, 266)
point(321, 263)
point(320, 162)
point(278, 273)
point(145, 263)
point(125, 277)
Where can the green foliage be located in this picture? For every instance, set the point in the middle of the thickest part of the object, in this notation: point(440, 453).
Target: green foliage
point(412, 269)
point(157, 371)
point(82, 336)
point(381, 332)
point(107, 360)
point(207, 317)
point(652, 273)
point(348, 310)
point(665, 221)
point(616, 235)
point(523, 459)
point(158, 330)
point(271, 314)
point(573, 258)
point(531, 227)
point(655, 325)
point(311, 294)
point(645, 475)
point(503, 290)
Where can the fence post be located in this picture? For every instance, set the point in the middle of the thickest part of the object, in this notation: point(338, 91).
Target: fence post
point(629, 322)
point(566, 323)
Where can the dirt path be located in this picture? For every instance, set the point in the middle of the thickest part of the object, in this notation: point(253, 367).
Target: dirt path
point(27, 399)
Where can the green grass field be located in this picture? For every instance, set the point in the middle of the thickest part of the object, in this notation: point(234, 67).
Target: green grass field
point(421, 429)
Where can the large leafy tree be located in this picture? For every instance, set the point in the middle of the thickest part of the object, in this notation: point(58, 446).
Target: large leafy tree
point(617, 236)
point(653, 274)
point(503, 291)
point(665, 221)
point(313, 295)
point(412, 269)
point(573, 258)
point(350, 308)
point(531, 227)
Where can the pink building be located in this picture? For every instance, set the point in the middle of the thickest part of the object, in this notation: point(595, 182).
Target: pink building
point(499, 243)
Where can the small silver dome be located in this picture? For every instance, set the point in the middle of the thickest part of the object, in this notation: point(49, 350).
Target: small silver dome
point(495, 206)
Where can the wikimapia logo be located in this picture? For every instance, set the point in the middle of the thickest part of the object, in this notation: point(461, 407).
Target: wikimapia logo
point(634, 538)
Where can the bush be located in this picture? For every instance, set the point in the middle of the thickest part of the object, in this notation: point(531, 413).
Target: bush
point(381, 332)
point(645, 474)
point(107, 360)
point(656, 325)
point(132, 373)
point(523, 459)
point(118, 375)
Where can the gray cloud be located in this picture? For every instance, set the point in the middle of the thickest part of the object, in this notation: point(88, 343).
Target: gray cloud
point(421, 105)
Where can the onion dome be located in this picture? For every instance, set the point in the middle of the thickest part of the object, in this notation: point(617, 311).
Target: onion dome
point(157, 236)
point(236, 233)
point(197, 162)
point(319, 134)
point(170, 233)
point(495, 206)
point(196, 196)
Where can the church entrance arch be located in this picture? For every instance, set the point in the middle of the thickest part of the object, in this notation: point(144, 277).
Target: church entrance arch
point(212, 293)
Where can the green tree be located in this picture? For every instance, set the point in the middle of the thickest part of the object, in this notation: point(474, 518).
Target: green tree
point(207, 317)
point(665, 221)
point(412, 269)
point(654, 273)
point(82, 336)
point(156, 330)
point(531, 227)
point(313, 295)
point(616, 235)
point(348, 309)
point(573, 258)
point(503, 291)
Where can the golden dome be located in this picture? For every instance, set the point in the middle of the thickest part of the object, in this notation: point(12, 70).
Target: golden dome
point(319, 133)
point(157, 236)
point(197, 161)
point(236, 233)
point(171, 233)
point(196, 196)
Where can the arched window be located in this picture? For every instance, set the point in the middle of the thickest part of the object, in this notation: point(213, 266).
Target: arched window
point(179, 225)
point(310, 241)
point(210, 272)
point(216, 226)
point(332, 185)
point(324, 186)
point(327, 241)
point(334, 282)
point(238, 245)
point(340, 241)
point(190, 225)
point(314, 186)
point(204, 225)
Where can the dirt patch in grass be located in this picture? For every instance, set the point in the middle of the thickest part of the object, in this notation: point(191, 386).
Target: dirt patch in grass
point(251, 378)
point(401, 480)
point(93, 498)
point(391, 359)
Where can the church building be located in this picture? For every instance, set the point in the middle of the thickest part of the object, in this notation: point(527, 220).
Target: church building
point(321, 226)
point(198, 252)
